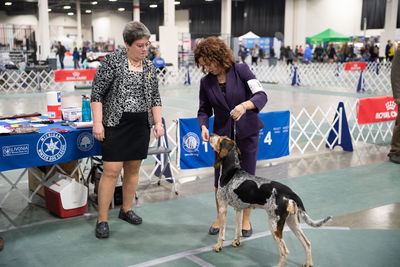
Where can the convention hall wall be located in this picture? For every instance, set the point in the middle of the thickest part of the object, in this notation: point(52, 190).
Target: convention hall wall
point(304, 17)
point(343, 16)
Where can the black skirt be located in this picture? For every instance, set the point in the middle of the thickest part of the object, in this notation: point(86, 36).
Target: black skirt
point(129, 140)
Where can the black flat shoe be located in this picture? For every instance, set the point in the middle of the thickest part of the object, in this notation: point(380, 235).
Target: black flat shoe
point(213, 231)
point(247, 233)
point(395, 159)
point(129, 216)
point(102, 230)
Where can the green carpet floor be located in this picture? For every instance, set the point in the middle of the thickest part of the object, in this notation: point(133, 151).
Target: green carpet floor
point(181, 225)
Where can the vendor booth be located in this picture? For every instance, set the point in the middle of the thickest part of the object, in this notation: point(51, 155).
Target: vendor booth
point(328, 35)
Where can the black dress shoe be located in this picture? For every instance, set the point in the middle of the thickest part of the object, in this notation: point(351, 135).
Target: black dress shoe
point(395, 159)
point(102, 230)
point(213, 231)
point(247, 233)
point(129, 216)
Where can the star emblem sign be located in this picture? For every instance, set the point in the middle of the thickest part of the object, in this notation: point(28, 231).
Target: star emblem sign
point(51, 146)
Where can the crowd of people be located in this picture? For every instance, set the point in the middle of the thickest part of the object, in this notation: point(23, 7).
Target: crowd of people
point(333, 52)
point(340, 52)
point(85, 59)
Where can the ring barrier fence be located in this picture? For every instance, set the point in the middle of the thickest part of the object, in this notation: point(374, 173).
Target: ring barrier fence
point(376, 77)
point(316, 130)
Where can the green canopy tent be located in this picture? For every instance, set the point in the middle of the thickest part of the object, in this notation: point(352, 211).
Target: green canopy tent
point(328, 35)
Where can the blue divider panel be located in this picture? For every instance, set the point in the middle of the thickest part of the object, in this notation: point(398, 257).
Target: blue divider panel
point(274, 137)
point(194, 153)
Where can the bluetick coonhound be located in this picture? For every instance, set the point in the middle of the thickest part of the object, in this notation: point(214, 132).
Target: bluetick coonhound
point(244, 191)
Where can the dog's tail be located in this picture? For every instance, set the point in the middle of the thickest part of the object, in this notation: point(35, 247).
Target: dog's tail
point(311, 222)
point(299, 207)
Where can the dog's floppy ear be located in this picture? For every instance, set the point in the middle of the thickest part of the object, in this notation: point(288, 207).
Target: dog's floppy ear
point(222, 154)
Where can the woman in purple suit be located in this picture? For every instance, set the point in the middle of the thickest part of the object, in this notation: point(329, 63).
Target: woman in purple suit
point(231, 93)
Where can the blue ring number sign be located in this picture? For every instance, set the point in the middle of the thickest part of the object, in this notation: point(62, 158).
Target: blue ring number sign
point(274, 137)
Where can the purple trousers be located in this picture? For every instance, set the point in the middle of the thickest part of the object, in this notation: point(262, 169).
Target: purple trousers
point(249, 149)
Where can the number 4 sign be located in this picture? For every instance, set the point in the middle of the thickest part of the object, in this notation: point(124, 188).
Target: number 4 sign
point(268, 139)
point(274, 137)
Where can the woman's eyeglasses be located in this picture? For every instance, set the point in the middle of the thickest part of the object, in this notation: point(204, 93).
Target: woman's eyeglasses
point(141, 45)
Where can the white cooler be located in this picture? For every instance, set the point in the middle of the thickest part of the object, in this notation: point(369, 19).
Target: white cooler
point(65, 197)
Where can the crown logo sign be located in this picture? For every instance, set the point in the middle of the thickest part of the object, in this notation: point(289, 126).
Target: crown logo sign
point(390, 105)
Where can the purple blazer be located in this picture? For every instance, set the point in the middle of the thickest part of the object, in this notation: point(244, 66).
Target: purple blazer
point(212, 102)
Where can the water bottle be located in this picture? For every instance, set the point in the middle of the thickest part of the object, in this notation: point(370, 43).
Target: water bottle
point(86, 112)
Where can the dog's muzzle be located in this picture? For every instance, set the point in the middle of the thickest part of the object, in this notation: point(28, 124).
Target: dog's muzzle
point(214, 140)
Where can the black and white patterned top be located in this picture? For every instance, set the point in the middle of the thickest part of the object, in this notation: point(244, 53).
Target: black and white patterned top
point(113, 82)
point(135, 100)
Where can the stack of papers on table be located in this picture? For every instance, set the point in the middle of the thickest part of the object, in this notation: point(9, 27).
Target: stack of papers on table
point(81, 124)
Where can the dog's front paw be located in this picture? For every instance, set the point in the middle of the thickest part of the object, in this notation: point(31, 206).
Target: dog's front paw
point(217, 248)
point(236, 243)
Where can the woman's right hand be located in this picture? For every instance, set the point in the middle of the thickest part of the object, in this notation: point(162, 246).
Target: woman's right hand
point(205, 135)
point(98, 131)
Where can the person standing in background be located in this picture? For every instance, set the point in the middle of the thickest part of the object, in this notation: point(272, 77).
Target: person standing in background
point(289, 55)
point(61, 53)
point(388, 45)
point(254, 54)
point(83, 54)
point(282, 52)
point(391, 52)
point(261, 53)
point(75, 56)
point(394, 154)
point(243, 53)
point(307, 55)
point(160, 64)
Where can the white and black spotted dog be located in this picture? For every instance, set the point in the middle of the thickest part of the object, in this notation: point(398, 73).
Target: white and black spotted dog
point(244, 191)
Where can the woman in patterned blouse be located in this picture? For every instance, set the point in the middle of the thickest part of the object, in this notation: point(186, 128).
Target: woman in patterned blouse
point(125, 104)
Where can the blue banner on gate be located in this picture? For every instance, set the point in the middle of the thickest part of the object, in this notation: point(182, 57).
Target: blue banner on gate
point(274, 137)
point(274, 140)
point(194, 153)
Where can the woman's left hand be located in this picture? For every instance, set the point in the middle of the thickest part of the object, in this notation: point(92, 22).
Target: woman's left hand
point(158, 130)
point(238, 112)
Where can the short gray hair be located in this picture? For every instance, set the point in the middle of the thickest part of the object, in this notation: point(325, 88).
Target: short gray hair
point(135, 30)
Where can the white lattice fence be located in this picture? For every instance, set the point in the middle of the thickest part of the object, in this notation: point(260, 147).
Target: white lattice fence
point(321, 75)
point(309, 131)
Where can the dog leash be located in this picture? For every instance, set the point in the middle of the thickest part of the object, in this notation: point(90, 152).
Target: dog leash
point(234, 132)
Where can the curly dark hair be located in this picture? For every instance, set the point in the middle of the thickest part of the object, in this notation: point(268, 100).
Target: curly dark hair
point(214, 50)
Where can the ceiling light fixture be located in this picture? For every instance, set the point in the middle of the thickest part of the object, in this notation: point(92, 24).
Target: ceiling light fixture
point(209, 0)
point(49, 9)
point(88, 11)
point(177, 3)
point(112, 0)
point(67, 7)
point(94, 3)
point(70, 13)
point(7, 3)
point(121, 9)
point(153, 6)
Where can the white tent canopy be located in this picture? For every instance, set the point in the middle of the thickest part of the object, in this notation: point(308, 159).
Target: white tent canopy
point(250, 34)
